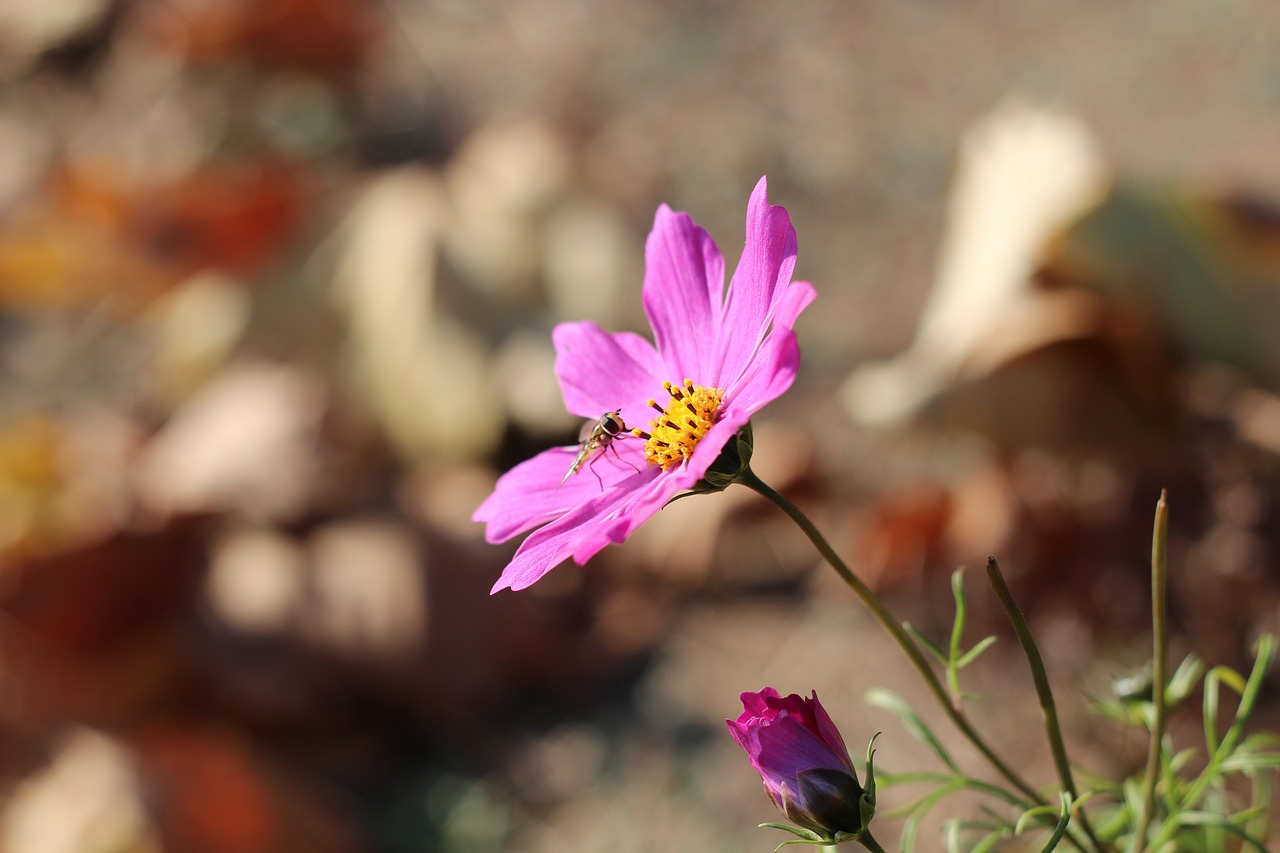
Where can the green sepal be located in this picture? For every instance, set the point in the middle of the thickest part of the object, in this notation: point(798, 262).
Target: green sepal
point(806, 836)
point(799, 831)
point(732, 463)
point(867, 803)
point(803, 841)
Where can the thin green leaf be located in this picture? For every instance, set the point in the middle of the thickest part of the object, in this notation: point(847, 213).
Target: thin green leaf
point(995, 830)
point(1216, 677)
point(957, 635)
point(1178, 763)
point(929, 645)
point(1215, 838)
point(957, 625)
point(1260, 741)
point(1245, 762)
point(1113, 827)
point(1114, 711)
point(1206, 819)
point(1261, 665)
point(927, 799)
point(973, 653)
point(1133, 799)
point(894, 704)
point(1227, 676)
point(954, 828)
point(1184, 680)
point(799, 831)
point(1257, 825)
point(799, 841)
point(1242, 816)
point(1032, 814)
point(1061, 829)
point(888, 780)
point(989, 841)
point(951, 836)
point(911, 828)
point(1094, 792)
point(1212, 771)
point(995, 824)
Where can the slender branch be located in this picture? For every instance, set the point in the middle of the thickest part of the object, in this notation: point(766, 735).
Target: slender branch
point(1048, 707)
point(1159, 670)
point(896, 631)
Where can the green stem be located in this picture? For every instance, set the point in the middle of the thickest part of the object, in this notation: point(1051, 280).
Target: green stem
point(1040, 677)
point(896, 631)
point(1159, 671)
point(869, 842)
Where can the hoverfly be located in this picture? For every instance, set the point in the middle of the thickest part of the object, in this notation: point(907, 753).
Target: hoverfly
point(596, 437)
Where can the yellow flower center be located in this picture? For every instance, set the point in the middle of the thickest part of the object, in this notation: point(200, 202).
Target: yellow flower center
point(688, 415)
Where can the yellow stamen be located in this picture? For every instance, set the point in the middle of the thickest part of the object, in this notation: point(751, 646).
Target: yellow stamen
point(689, 414)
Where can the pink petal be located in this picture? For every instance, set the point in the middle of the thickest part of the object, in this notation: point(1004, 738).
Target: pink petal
point(548, 547)
point(600, 372)
point(827, 729)
point(647, 494)
point(741, 732)
point(787, 748)
point(581, 532)
point(798, 296)
point(768, 259)
point(683, 283)
point(530, 494)
point(774, 366)
point(754, 704)
point(792, 704)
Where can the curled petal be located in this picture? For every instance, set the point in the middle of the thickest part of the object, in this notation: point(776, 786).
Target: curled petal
point(756, 704)
point(773, 368)
point(768, 259)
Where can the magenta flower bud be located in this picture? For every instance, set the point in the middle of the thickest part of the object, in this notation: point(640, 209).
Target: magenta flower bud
point(804, 763)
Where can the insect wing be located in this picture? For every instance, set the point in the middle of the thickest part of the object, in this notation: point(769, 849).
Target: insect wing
point(594, 436)
point(583, 452)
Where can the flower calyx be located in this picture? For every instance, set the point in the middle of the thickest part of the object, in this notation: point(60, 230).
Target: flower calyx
point(732, 465)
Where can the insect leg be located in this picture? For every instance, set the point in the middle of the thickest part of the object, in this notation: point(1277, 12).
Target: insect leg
point(591, 466)
point(619, 457)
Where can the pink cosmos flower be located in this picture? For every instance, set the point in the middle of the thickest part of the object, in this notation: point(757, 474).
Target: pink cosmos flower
point(717, 358)
point(805, 766)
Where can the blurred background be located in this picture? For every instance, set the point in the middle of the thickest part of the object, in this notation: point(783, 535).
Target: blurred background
point(277, 280)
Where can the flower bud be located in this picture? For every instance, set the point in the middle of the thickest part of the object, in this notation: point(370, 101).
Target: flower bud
point(805, 766)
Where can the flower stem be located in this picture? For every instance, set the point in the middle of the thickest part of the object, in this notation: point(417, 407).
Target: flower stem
point(896, 631)
point(1159, 670)
point(869, 842)
point(1041, 679)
